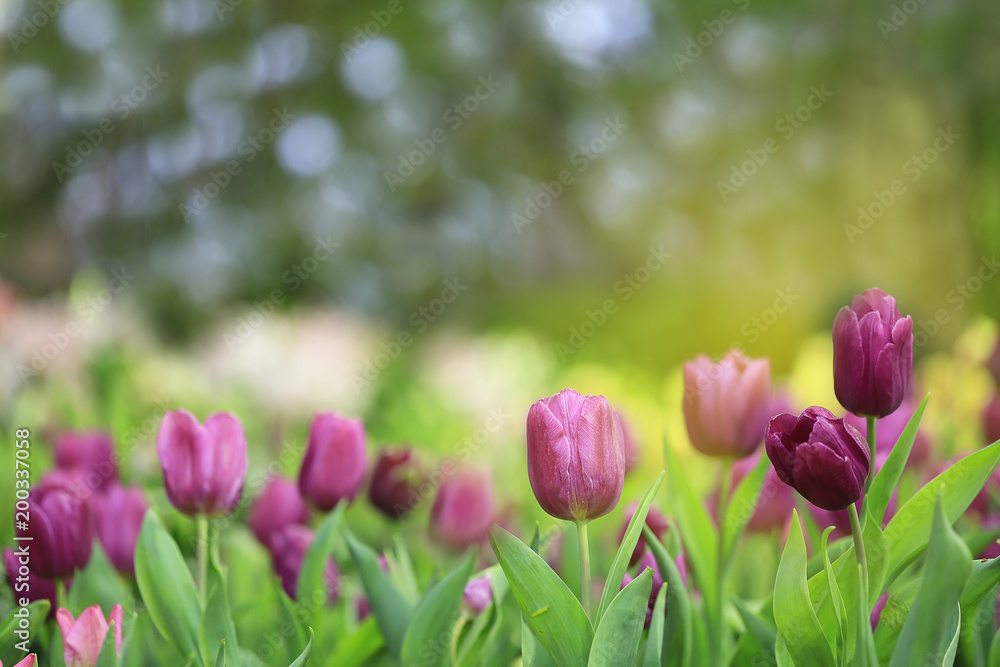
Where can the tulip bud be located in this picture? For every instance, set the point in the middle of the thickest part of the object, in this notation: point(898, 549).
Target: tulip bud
point(463, 509)
point(821, 456)
point(576, 455)
point(656, 522)
point(395, 478)
point(991, 419)
point(203, 466)
point(726, 404)
point(334, 465)
point(26, 584)
point(278, 505)
point(28, 661)
point(60, 529)
point(118, 515)
point(889, 428)
point(289, 547)
point(89, 452)
point(84, 637)
point(477, 596)
point(872, 354)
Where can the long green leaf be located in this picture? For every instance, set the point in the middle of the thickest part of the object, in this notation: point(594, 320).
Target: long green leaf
point(220, 658)
point(654, 646)
point(533, 654)
point(612, 583)
point(793, 611)
point(108, 656)
point(616, 641)
point(888, 476)
point(865, 654)
point(310, 588)
point(306, 652)
point(428, 637)
point(678, 626)
point(839, 645)
point(217, 621)
point(392, 611)
point(743, 504)
point(358, 647)
point(550, 609)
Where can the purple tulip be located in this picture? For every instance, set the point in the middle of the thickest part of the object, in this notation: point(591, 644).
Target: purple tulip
point(726, 404)
point(23, 582)
point(59, 524)
point(203, 466)
point(654, 520)
point(879, 608)
point(576, 455)
point(648, 560)
point(821, 456)
point(395, 478)
point(91, 452)
point(334, 466)
point(118, 515)
point(278, 505)
point(872, 354)
point(464, 509)
point(478, 595)
point(288, 549)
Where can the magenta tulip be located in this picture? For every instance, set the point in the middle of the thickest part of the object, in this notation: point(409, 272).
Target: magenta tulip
point(24, 583)
point(576, 455)
point(395, 479)
point(204, 467)
point(876, 614)
point(872, 354)
point(28, 661)
point(84, 637)
point(91, 453)
point(464, 509)
point(477, 596)
point(279, 504)
point(288, 549)
point(649, 561)
point(726, 404)
point(59, 525)
point(821, 456)
point(118, 515)
point(334, 465)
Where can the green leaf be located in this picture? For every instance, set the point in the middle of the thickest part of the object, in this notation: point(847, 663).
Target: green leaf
point(924, 639)
point(550, 609)
point(429, 635)
point(678, 627)
point(759, 627)
point(108, 657)
point(743, 504)
point(840, 612)
point(888, 476)
point(392, 611)
point(98, 583)
point(306, 652)
point(36, 613)
point(533, 654)
point(616, 641)
point(793, 611)
point(217, 621)
point(220, 659)
point(983, 579)
point(865, 654)
point(356, 648)
point(654, 646)
point(310, 589)
point(167, 588)
point(614, 579)
point(910, 529)
point(291, 617)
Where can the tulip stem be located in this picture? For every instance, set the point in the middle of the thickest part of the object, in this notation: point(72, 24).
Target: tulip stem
point(61, 601)
point(859, 546)
point(202, 522)
point(585, 587)
point(719, 645)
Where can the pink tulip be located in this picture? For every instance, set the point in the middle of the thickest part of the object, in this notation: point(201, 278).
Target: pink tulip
point(334, 465)
point(464, 509)
point(89, 452)
point(118, 515)
point(84, 637)
point(29, 661)
point(279, 504)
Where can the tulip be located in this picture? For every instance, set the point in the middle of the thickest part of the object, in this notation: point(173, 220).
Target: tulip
point(203, 466)
point(24, 583)
point(118, 515)
point(463, 509)
point(649, 561)
point(288, 551)
point(334, 465)
point(89, 452)
point(821, 456)
point(59, 526)
point(28, 661)
point(395, 478)
point(632, 449)
point(576, 455)
point(726, 404)
point(879, 608)
point(279, 504)
point(872, 354)
point(84, 637)
point(656, 523)
point(477, 596)
point(362, 608)
point(889, 428)
point(991, 419)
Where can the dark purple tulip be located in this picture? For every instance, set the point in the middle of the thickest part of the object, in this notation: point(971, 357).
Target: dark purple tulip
point(278, 505)
point(60, 527)
point(889, 428)
point(288, 549)
point(91, 452)
point(334, 466)
point(464, 509)
point(23, 582)
point(656, 522)
point(118, 515)
point(478, 595)
point(576, 455)
point(821, 456)
point(394, 481)
point(872, 354)
point(203, 466)
point(991, 419)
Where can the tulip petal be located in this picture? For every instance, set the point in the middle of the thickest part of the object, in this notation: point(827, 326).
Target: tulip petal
point(827, 480)
point(82, 646)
